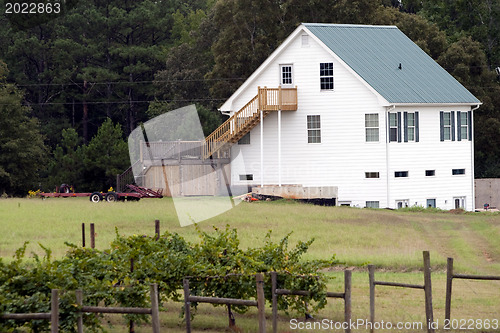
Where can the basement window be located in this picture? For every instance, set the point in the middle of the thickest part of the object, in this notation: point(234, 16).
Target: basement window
point(400, 174)
point(455, 172)
point(372, 204)
point(430, 173)
point(246, 177)
point(372, 175)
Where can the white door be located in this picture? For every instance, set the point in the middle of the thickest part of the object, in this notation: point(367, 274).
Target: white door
point(286, 76)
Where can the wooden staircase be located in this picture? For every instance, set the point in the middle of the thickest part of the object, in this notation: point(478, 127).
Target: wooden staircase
point(241, 122)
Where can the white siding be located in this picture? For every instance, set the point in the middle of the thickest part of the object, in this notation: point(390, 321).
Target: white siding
point(343, 156)
point(431, 154)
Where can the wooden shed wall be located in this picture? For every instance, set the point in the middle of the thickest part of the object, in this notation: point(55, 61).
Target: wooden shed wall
point(187, 180)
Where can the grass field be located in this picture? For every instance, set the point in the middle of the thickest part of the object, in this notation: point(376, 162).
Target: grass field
point(391, 240)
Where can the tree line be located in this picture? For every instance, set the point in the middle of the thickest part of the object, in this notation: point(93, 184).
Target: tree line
point(103, 64)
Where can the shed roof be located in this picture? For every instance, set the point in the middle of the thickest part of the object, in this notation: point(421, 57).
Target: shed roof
point(375, 54)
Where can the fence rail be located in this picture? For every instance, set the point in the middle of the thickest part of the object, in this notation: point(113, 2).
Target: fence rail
point(426, 287)
point(346, 295)
point(259, 303)
point(53, 315)
point(449, 284)
point(153, 310)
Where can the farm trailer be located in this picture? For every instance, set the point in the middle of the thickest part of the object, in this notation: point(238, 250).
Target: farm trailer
point(132, 192)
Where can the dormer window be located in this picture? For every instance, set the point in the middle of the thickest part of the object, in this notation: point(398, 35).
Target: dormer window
point(326, 75)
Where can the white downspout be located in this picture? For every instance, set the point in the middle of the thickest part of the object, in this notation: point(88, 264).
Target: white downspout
point(261, 149)
point(386, 123)
point(279, 147)
point(472, 157)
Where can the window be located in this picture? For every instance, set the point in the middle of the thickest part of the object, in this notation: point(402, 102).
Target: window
point(313, 129)
point(372, 175)
point(409, 127)
point(305, 41)
point(245, 140)
point(430, 173)
point(286, 75)
point(406, 129)
point(371, 127)
point(464, 131)
point(246, 177)
point(447, 125)
point(455, 172)
point(393, 127)
point(326, 75)
point(372, 204)
point(400, 174)
point(431, 203)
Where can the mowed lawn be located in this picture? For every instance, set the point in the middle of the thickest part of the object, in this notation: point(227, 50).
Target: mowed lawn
point(391, 240)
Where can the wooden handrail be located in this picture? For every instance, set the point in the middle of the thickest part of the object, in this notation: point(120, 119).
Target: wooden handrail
point(267, 99)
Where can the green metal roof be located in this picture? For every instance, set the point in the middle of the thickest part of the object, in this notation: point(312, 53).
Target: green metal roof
point(375, 52)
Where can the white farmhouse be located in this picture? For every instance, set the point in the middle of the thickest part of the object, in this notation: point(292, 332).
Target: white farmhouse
point(358, 107)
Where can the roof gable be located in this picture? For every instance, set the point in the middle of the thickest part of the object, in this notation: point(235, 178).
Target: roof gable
point(375, 54)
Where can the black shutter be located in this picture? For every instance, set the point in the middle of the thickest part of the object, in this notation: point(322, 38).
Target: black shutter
point(416, 127)
point(441, 125)
point(389, 125)
point(399, 126)
point(405, 123)
point(452, 125)
point(469, 121)
point(459, 126)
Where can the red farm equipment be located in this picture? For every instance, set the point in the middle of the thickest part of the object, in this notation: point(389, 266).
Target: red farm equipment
point(132, 192)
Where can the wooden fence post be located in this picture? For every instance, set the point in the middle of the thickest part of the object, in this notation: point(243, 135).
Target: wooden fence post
point(187, 305)
point(274, 285)
point(428, 292)
point(54, 311)
point(157, 229)
point(83, 234)
point(449, 281)
point(131, 324)
point(261, 302)
point(155, 312)
point(347, 299)
point(371, 276)
point(79, 301)
point(92, 235)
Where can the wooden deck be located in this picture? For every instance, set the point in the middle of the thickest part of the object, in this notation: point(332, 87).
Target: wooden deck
point(267, 100)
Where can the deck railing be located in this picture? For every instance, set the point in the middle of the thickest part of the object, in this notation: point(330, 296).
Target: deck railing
point(240, 123)
point(274, 99)
point(173, 150)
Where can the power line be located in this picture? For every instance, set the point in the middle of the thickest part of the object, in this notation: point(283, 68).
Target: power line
point(122, 102)
point(125, 82)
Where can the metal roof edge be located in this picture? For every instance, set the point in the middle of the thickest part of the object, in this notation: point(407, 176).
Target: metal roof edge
point(349, 25)
point(438, 104)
